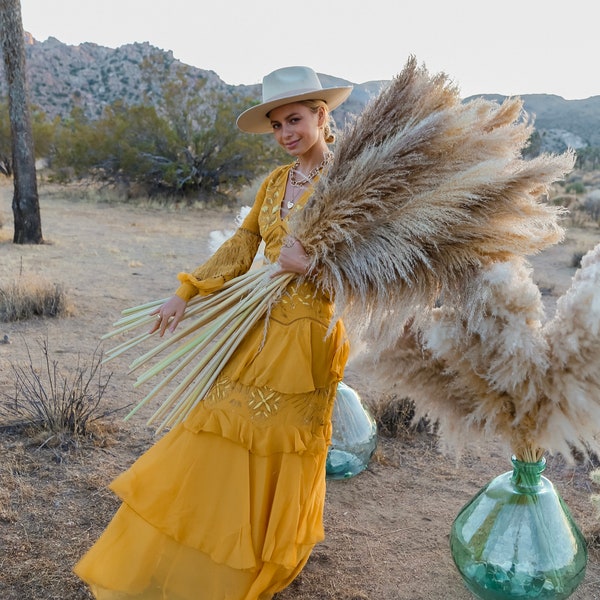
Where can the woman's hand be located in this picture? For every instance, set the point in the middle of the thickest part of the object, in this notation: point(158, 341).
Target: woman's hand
point(169, 315)
point(293, 258)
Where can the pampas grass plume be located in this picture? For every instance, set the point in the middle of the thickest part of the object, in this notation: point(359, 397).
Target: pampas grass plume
point(487, 367)
point(425, 190)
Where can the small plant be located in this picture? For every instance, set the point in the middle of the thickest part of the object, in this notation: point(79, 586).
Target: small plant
point(395, 417)
point(28, 297)
point(591, 205)
point(576, 187)
point(595, 499)
point(48, 400)
point(576, 258)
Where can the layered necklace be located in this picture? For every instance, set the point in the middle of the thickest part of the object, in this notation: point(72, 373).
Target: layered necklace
point(299, 180)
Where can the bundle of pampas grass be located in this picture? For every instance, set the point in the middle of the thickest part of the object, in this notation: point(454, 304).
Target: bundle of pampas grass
point(484, 365)
point(425, 191)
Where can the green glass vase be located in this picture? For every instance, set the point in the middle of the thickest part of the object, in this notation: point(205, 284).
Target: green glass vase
point(517, 539)
point(354, 435)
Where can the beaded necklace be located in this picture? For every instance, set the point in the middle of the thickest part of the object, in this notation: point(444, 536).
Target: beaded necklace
point(306, 179)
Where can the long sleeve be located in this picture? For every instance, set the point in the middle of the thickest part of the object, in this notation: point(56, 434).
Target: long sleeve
point(233, 258)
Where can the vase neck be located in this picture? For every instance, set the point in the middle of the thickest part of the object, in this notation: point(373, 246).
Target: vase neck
point(527, 475)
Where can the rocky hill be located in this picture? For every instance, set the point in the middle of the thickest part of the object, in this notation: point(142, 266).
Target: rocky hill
point(90, 76)
point(574, 123)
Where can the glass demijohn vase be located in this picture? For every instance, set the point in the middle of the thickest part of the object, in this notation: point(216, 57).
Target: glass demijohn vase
point(354, 435)
point(517, 539)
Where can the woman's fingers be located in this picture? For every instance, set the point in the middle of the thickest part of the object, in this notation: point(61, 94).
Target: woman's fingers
point(168, 315)
point(292, 258)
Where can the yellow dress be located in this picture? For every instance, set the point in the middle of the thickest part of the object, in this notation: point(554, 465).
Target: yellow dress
point(228, 505)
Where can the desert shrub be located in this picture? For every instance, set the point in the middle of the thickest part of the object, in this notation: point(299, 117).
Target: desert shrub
point(395, 416)
point(564, 200)
point(576, 216)
point(576, 187)
point(185, 149)
point(591, 205)
point(576, 258)
point(29, 297)
point(595, 498)
point(46, 399)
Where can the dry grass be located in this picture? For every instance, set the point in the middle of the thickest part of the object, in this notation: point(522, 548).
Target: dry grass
point(41, 521)
point(53, 401)
point(56, 440)
point(29, 296)
point(595, 499)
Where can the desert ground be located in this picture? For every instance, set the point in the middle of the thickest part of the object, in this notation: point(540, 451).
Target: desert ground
point(387, 529)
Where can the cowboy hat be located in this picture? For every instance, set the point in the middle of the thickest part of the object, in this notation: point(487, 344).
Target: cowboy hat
point(283, 86)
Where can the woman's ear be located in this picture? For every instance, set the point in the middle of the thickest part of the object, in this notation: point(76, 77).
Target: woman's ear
point(321, 115)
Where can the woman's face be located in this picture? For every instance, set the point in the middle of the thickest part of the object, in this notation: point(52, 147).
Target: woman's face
point(296, 127)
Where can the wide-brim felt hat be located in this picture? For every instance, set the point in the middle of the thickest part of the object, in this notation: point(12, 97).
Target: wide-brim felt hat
point(283, 86)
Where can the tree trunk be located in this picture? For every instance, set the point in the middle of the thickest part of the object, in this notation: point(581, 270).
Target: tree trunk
point(26, 208)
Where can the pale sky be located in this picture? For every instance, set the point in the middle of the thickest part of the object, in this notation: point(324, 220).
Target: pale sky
point(508, 47)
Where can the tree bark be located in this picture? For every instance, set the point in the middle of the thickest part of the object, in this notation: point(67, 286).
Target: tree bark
point(26, 208)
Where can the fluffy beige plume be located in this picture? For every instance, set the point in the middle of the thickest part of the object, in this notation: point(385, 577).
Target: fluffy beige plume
point(423, 191)
point(485, 366)
point(470, 359)
point(573, 384)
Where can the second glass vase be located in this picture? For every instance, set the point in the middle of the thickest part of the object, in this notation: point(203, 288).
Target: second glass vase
point(354, 435)
point(517, 539)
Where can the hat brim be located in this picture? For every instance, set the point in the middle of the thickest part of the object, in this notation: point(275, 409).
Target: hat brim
point(255, 120)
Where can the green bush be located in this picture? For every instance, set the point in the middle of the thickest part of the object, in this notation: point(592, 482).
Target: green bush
point(576, 187)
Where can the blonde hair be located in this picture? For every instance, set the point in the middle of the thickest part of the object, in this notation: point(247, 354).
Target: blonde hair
point(329, 124)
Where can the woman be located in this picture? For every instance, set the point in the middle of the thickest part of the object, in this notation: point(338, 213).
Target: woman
point(228, 505)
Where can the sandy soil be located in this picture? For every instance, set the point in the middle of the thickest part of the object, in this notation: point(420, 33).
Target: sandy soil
point(387, 529)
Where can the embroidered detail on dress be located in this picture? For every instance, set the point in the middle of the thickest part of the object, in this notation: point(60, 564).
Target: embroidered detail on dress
point(271, 208)
point(299, 293)
point(264, 403)
point(221, 390)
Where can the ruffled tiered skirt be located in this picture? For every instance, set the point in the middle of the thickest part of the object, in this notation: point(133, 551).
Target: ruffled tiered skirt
point(229, 504)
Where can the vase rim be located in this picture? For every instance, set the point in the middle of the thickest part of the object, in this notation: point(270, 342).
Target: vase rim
point(540, 462)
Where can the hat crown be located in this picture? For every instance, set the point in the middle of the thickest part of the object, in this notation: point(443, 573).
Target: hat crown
point(289, 81)
point(284, 86)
